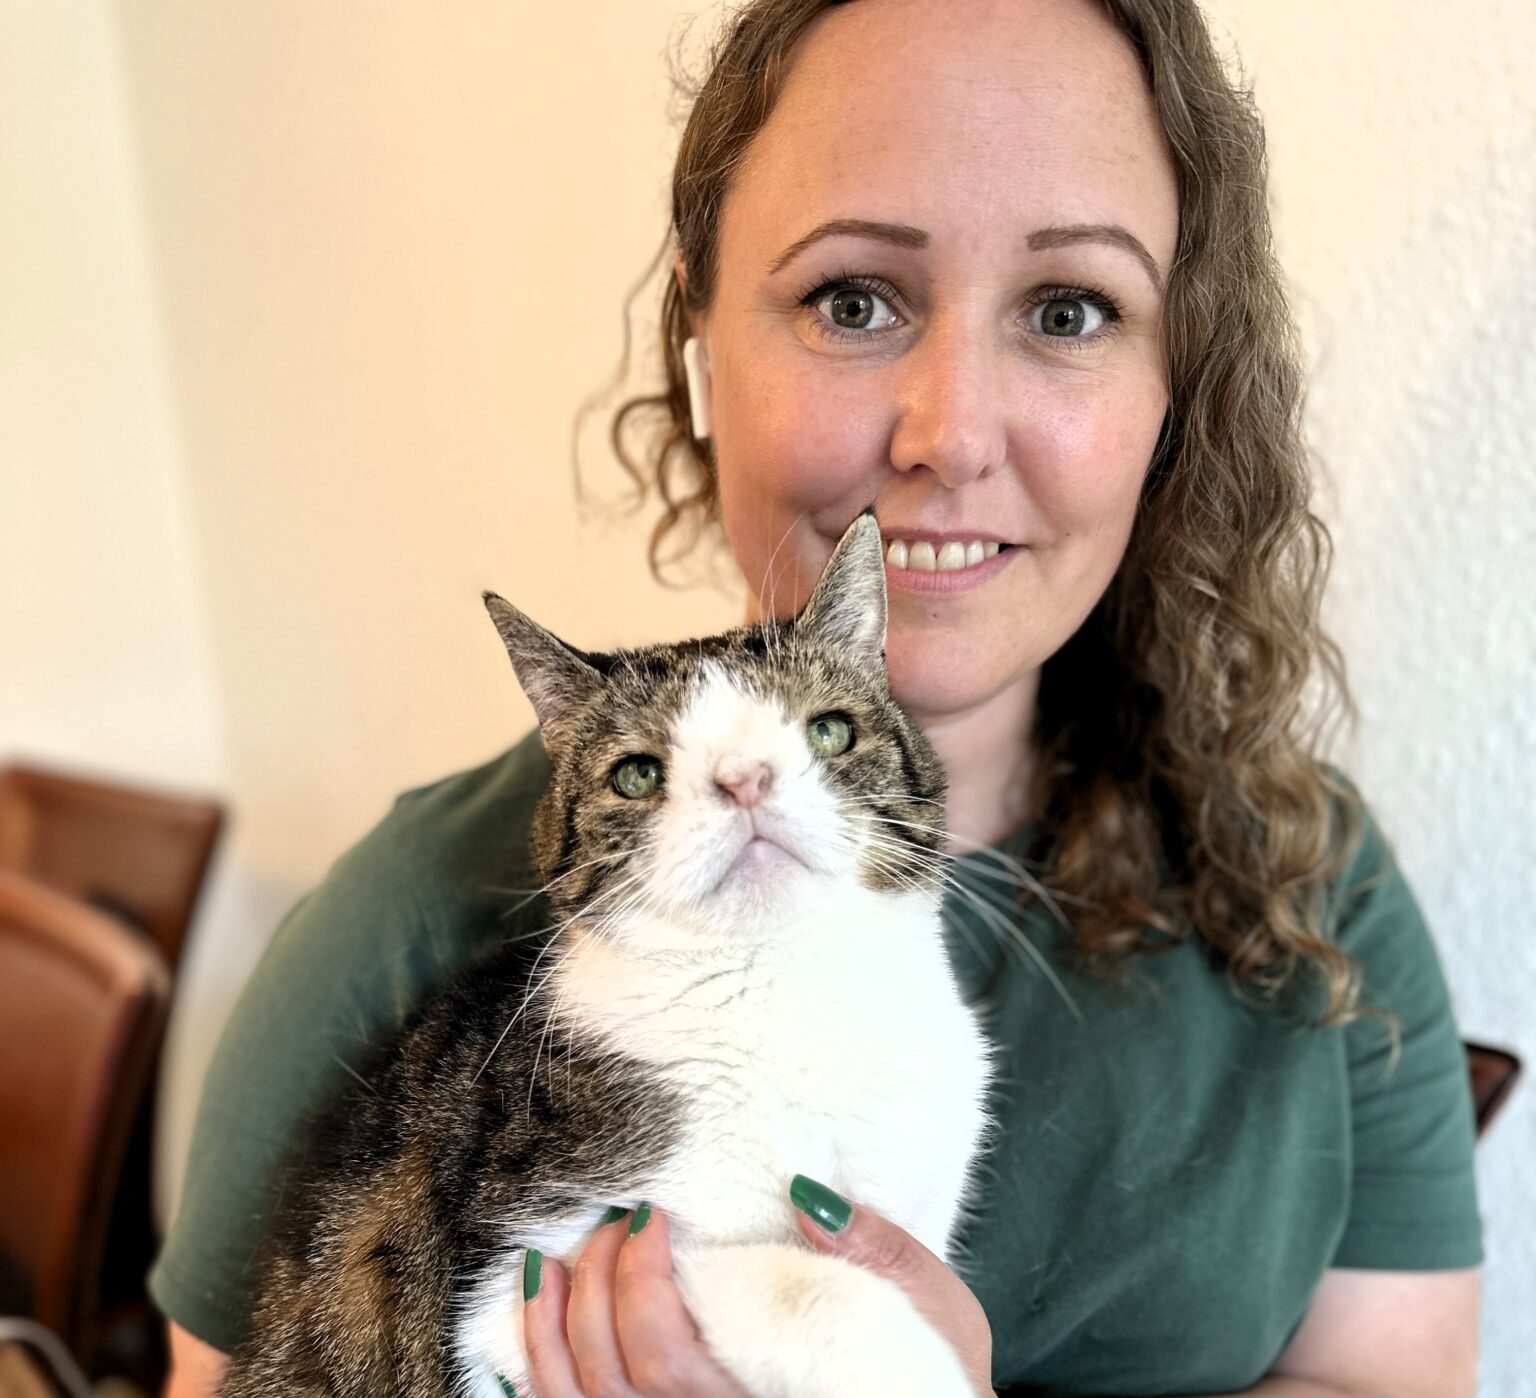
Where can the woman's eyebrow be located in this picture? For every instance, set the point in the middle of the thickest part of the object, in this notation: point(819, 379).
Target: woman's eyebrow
point(902, 234)
point(1110, 233)
point(905, 236)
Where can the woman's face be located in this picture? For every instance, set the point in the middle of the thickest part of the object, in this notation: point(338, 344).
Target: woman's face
point(985, 369)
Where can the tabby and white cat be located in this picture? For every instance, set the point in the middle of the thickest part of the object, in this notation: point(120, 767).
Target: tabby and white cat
point(746, 979)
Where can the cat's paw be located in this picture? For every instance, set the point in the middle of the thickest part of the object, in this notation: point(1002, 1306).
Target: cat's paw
point(790, 1323)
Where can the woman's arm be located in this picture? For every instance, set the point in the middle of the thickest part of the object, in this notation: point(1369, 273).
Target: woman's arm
point(197, 1369)
point(1383, 1335)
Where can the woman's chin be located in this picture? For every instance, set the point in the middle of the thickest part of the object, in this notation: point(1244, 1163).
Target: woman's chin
point(932, 676)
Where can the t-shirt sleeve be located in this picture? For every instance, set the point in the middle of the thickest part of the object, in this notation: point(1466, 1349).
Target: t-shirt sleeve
point(1413, 1204)
point(352, 956)
point(441, 880)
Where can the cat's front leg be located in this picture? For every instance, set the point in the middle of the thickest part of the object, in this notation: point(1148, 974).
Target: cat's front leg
point(790, 1323)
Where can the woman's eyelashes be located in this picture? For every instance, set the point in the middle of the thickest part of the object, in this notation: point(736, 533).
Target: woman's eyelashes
point(855, 306)
point(851, 297)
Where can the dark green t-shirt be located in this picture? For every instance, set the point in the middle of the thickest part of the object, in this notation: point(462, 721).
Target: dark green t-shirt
point(1176, 1168)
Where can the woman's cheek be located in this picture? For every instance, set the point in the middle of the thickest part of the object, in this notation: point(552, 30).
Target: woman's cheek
point(1087, 471)
point(808, 429)
point(793, 462)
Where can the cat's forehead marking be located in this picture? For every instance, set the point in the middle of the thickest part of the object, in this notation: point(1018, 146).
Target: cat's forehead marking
point(722, 710)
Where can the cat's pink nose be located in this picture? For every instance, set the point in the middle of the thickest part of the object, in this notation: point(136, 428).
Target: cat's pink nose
point(745, 782)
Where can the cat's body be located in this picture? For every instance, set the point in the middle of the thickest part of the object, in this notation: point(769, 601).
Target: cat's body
point(765, 993)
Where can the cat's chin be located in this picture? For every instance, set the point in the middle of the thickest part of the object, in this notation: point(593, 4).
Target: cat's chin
point(761, 853)
point(761, 862)
point(763, 878)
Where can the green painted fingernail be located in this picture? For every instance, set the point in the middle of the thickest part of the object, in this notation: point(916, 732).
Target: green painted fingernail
point(533, 1272)
point(613, 1215)
point(641, 1218)
point(506, 1387)
point(816, 1201)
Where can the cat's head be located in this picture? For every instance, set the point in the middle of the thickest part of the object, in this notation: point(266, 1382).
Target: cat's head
point(727, 786)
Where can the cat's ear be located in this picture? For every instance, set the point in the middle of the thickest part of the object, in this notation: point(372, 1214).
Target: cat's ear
point(554, 676)
point(847, 609)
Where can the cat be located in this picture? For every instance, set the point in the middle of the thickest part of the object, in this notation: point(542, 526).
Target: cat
point(746, 979)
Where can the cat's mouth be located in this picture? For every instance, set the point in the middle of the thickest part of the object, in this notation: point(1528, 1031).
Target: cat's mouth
point(760, 857)
point(762, 846)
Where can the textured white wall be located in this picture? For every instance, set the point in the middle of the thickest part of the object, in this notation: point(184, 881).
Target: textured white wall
point(290, 355)
point(1403, 149)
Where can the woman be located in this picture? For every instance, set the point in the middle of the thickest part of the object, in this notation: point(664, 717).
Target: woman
point(1003, 269)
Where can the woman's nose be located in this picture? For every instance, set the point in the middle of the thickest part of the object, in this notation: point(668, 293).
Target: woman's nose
point(953, 409)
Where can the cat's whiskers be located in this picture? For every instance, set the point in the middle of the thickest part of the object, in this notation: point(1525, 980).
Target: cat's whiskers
point(871, 797)
point(602, 921)
point(770, 583)
point(569, 948)
point(1024, 878)
point(534, 893)
point(556, 937)
point(898, 874)
point(977, 848)
point(1017, 871)
point(1012, 936)
point(1008, 934)
point(1006, 876)
point(527, 1001)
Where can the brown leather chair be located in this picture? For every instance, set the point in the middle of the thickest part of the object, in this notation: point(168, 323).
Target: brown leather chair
point(83, 1002)
point(1493, 1072)
point(141, 855)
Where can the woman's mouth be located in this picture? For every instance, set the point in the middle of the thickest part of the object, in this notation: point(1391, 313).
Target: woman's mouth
point(940, 556)
point(944, 565)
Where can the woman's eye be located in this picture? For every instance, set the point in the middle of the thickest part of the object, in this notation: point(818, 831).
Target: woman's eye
point(847, 308)
point(855, 308)
point(635, 778)
point(1070, 317)
point(829, 735)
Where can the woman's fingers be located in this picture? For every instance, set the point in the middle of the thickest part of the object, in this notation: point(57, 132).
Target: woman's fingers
point(590, 1322)
point(662, 1349)
point(832, 1225)
point(618, 1326)
point(549, 1355)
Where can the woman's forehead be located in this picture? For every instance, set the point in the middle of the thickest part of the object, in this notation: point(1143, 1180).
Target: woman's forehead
point(966, 116)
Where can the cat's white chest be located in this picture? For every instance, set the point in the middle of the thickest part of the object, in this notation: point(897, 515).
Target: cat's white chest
point(847, 1057)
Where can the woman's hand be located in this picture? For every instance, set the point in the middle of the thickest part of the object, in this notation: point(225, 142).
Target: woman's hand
point(619, 1326)
point(833, 1225)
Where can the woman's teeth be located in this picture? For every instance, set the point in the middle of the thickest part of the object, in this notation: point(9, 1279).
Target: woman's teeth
point(950, 557)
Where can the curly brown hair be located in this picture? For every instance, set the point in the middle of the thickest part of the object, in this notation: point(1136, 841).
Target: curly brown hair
point(1177, 747)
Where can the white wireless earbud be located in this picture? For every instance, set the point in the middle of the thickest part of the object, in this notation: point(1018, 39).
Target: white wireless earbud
point(696, 365)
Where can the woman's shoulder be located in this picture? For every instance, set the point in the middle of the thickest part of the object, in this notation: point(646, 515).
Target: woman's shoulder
point(449, 854)
point(1370, 906)
point(1413, 1203)
point(467, 824)
point(442, 879)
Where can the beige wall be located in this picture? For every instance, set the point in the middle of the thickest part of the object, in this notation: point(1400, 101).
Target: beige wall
point(299, 299)
point(392, 250)
point(103, 620)
point(392, 256)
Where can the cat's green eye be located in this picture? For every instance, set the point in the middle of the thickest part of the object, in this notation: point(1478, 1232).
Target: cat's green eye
point(637, 777)
point(830, 734)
